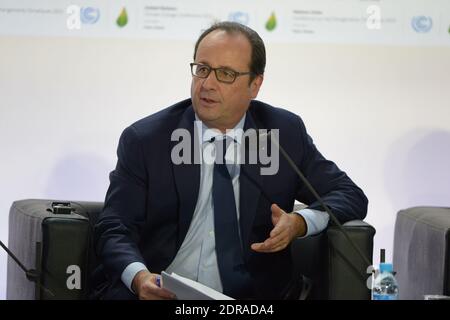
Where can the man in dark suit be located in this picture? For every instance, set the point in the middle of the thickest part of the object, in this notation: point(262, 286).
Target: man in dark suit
point(225, 224)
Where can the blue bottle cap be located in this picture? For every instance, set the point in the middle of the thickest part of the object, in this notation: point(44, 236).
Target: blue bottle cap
point(386, 267)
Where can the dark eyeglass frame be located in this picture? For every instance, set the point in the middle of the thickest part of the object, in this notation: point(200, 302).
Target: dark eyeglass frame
point(236, 73)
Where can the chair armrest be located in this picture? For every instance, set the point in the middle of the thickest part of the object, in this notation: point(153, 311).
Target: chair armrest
point(51, 243)
point(338, 272)
point(347, 270)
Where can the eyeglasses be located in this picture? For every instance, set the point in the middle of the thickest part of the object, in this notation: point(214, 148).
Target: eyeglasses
point(224, 75)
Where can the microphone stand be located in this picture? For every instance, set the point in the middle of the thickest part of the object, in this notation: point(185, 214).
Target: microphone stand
point(31, 274)
point(316, 195)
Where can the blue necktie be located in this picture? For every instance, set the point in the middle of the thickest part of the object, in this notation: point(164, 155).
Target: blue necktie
point(233, 273)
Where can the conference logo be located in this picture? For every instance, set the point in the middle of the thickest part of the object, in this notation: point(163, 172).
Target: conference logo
point(89, 15)
point(122, 19)
point(239, 17)
point(422, 24)
point(271, 23)
point(81, 15)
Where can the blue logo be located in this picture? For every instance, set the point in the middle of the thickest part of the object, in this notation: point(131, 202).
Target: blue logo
point(89, 15)
point(421, 24)
point(239, 17)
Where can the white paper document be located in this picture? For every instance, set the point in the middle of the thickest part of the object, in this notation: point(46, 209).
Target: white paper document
point(187, 289)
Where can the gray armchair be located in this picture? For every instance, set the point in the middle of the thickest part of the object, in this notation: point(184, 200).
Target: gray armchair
point(56, 241)
point(422, 252)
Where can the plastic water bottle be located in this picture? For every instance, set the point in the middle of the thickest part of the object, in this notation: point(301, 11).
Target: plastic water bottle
point(385, 285)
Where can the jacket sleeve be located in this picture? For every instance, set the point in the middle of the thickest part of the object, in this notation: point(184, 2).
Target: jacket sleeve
point(117, 231)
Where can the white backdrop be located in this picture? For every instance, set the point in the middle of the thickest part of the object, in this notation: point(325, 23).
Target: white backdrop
point(382, 113)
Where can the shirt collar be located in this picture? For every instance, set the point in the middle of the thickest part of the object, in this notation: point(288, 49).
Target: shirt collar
point(207, 133)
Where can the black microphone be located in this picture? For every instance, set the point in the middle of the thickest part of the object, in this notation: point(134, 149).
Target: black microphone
point(31, 274)
point(316, 195)
point(307, 283)
point(308, 185)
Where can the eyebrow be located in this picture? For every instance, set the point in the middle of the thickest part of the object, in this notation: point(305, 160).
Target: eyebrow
point(221, 66)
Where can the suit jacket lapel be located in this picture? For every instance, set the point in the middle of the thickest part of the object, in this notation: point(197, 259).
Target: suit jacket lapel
point(187, 179)
point(250, 181)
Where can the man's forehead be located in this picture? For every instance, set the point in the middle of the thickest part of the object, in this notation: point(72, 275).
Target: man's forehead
point(223, 37)
point(230, 45)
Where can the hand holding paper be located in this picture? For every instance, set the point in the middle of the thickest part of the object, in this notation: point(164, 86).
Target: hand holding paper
point(187, 289)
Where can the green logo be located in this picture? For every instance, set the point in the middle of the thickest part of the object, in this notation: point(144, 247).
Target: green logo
point(122, 20)
point(271, 24)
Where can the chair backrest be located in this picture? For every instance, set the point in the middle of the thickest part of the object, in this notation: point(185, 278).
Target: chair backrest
point(422, 252)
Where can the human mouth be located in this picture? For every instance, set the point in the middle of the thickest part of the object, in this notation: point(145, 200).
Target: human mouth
point(208, 101)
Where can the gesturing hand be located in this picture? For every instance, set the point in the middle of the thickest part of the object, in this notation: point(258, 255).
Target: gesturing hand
point(286, 228)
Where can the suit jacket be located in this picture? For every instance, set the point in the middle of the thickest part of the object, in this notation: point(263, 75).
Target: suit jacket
point(150, 201)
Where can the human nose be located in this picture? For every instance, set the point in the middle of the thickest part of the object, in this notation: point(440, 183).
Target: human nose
point(210, 82)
